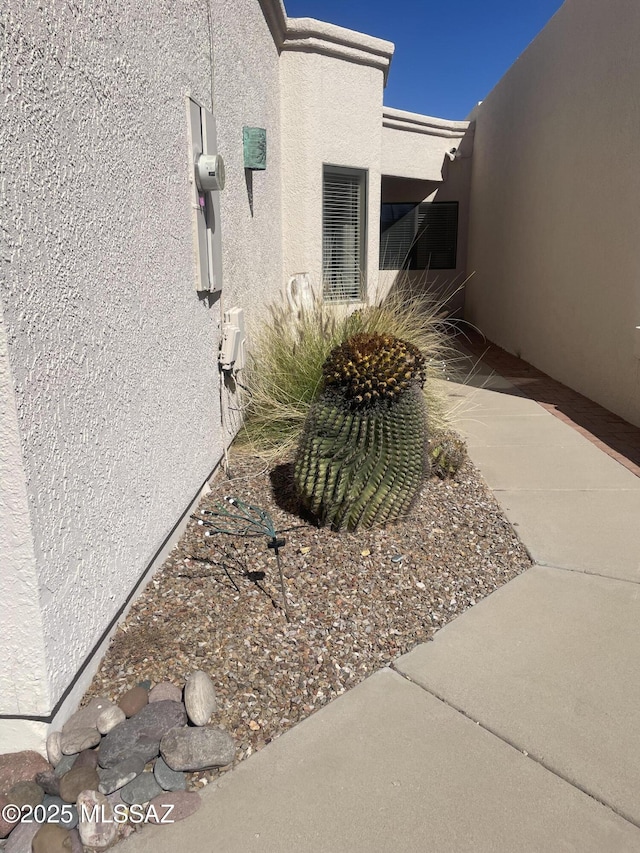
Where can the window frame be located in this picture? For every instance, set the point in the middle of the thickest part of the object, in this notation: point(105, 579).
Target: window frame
point(337, 294)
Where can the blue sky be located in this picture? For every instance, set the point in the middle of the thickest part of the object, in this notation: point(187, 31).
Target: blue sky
point(449, 53)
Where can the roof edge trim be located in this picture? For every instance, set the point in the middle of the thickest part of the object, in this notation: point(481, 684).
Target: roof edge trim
point(416, 123)
point(308, 35)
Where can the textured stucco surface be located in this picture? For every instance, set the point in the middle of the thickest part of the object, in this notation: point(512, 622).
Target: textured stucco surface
point(413, 155)
point(247, 92)
point(22, 681)
point(415, 146)
point(554, 204)
point(331, 114)
point(313, 36)
point(111, 351)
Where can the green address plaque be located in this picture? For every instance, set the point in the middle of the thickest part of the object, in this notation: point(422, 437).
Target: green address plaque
point(254, 141)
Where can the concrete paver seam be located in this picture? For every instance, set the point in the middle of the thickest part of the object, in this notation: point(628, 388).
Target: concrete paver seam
point(523, 753)
point(503, 489)
point(589, 574)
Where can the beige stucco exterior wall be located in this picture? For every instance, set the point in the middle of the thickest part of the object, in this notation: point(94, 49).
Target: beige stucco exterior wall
point(247, 93)
point(413, 156)
point(416, 146)
point(20, 622)
point(331, 114)
point(554, 204)
point(110, 383)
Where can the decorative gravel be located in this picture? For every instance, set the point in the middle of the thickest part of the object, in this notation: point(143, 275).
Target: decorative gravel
point(357, 601)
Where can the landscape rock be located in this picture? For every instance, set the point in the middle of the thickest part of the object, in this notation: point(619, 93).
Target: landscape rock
point(87, 717)
point(142, 789)
point(199, 698)
point(140, 736)
point(110, 718)
point(134, 700)
point(76, 780)
point(51, 838)
point(168, 779)
point(184, 803)
point(76, 844)
point(54, 748)
point(115, 799)
point(165, 690)
point(98, 834)
point(67, 818)
point(20, 839)
point(25, 794)
point(78, 739)
point(65, 764)
point(196, 749)
point(87, 758)
point(114, 778)
point(20, 767)
point(49, 782)
point(5, 825)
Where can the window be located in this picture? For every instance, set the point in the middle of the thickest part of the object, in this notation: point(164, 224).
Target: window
point(419, 236)
point(343, 232)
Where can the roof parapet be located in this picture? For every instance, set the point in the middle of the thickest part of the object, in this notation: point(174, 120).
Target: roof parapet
point(416, 123)
point(311, 36)
point(307, 34)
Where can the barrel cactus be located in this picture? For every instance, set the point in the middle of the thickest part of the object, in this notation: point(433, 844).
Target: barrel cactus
point(447, 452)
point(363, 452)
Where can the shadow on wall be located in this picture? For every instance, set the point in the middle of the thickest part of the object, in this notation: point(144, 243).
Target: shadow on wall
point(248, 179)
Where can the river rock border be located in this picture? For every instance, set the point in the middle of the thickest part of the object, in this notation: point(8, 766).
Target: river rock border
point(111, 768)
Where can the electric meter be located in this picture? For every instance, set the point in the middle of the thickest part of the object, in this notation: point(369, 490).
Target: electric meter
point(210, 172)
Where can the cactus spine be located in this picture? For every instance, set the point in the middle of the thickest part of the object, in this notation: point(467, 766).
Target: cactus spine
point(362, 456)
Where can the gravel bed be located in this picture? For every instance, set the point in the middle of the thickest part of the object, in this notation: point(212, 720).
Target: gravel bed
point(357, 601)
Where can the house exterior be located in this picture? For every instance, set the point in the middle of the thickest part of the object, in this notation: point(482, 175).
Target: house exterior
point(117, 269)
point(115, 283)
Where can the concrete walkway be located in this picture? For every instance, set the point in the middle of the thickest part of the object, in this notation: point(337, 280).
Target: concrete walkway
point(518, 728)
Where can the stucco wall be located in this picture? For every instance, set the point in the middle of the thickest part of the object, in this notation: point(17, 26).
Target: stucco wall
point(415, 146)
point(554, 204)
point(111, 351)
point(22, 681)
point(331, 114)
point(247, 92)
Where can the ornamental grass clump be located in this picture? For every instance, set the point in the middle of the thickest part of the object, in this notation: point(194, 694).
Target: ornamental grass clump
point(288, 350)
point(362, 455)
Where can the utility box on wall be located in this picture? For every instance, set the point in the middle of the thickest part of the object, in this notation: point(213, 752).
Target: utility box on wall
point(254, 143)
point(206, 203)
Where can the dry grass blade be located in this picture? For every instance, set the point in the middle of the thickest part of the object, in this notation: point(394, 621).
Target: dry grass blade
point(284, 370)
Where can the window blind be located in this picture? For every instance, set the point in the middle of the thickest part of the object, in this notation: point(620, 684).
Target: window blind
point(343, 207)
point(419, 236)
point(398, 231)
point(437, 236)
